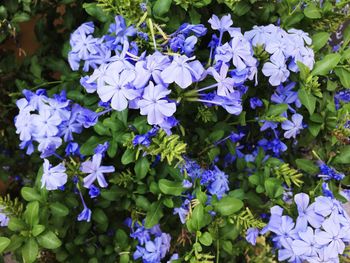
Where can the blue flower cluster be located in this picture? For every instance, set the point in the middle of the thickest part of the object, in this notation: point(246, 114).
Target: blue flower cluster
point(285, 49)
point(328, 173)
point(50, 121)
point(153, 244)
point(319, 234)
point(214, 181)
point(123, 78)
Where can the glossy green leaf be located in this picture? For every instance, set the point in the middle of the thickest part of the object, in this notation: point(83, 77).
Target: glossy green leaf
point(154, 214)
point(49, 240)
point(326, 64)
point(170, 187)
point(308, 100)
point(4, 242)
point(30, 251)
point(228, 205)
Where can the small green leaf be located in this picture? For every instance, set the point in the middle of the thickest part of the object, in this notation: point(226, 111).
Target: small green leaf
point(228, 205)
point(344, 76)
point(128, 156)
point(326, 64)
point(314, 128)
point(141, 168)
point(20, 17)
point(161, 7)
point(16, 224)
point(275, 110)
point(343, 157)
point(312, 11)
point(307, 166)
point(206, 239)
point(37, 230)
point(273, 187)
point(30, 194)
point(170, 187)
point(319, 40)
point(308, 100)
point(31, 214)
point(30, 251)
point(95, 11)
point(154, 214)
point(304, 70)
point(58, 209)
point(4, 242)
point(49, 240)
point(100, 217)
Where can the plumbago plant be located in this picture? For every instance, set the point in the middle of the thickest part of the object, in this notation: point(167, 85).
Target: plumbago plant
point(198, 131)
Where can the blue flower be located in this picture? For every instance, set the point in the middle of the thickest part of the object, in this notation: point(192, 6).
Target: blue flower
point(328, 173)
point(151, 67)
point(154, 104)
point(53, 177)
point(223, 24)
point(95, 171)
point(183, 210)
point(251, 235)
point(239, 51)
point(306, 213)
point(293, 127)
point(102, 148)
point(85, 215)
point(117, 89)
point(94, 191)
point(182, 72)
point(225, 84)
point(219, 186)
point(4, 219)
point(332, 237)
point(121, 31)
point(255, 103)
point(276, 70)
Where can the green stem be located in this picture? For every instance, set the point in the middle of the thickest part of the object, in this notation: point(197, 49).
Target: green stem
point(217, 250)
point(47, 83)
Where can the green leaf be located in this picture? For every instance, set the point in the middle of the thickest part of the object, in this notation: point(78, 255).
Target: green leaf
point(49, 240)
point(314, 128)
point(20, 17)
point(228, 205)
point(241, 8)
point(319, 40)
point(161, 7)
point(30, 194)
point(275, 110)
point(343, 157)
point(30, 251)
point(88, 147)
point(273, 187)
point(16, 224)
point(344, 76)
point(304, 70)
point(37, 230)
point(198, 219)
point(128, 156)
point(308, 100)
point(325, 65)
point(170, 188)
point(4, 242)
point(31, 214)
point(154, 214)
point(312, 11)
point(206, 239)
point(307, 165)
point(95, 11)
point(141, 168)
point(58, 209)
point(100, 217)
point(35, 67)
